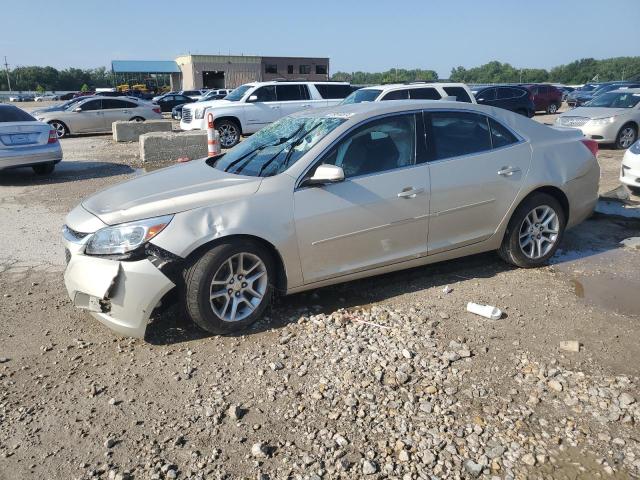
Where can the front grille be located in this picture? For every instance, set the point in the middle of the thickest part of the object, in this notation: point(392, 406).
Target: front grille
point(573, 121)
point(186, 115)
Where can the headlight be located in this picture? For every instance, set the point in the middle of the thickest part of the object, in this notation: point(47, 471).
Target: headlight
point(199, 113)
point(125, 237)
point(601, 121)
point(635, 148)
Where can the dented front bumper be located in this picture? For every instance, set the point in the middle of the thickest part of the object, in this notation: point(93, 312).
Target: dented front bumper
point(120, 294)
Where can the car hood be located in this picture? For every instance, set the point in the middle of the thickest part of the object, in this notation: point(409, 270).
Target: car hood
point(169, 190)
point(211, 104)
point(595, 112)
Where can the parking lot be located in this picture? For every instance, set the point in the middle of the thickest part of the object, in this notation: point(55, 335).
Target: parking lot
point(388, 376)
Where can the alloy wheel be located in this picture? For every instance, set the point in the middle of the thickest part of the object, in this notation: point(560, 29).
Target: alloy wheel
point(539, 232)
point(238, 287)
point(553, 108)
point(228, 135)
point(627, 137)
point(59, 128)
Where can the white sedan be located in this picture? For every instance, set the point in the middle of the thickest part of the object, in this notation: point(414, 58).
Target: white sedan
point(630, 169)
point(47, 97)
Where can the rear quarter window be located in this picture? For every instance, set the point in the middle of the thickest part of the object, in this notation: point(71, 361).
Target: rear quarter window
point(458, 92)
point(328, 91)
point(10, 113)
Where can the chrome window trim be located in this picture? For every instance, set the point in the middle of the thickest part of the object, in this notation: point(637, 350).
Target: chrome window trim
point(347, 132)
point(520, 138)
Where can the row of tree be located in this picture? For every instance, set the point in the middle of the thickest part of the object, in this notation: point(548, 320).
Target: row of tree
point(393, 75)
point(51, 79)
point(578, 72)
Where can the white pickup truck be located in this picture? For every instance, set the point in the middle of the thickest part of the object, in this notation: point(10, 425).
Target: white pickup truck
point(254, 105)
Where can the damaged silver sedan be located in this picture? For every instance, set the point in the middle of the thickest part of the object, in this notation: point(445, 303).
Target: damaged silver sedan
point(324, 197)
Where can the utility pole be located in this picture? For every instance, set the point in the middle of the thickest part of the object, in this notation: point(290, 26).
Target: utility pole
point(6, 67)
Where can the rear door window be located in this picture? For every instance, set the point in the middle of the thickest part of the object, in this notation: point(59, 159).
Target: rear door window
point(505, 92)
point(113, 103)
point(458, 92)
point(397, 95)
point(459, 133)
point(328, 91)
point(426, 93)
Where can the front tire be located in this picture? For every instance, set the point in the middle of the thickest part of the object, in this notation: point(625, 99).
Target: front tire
point(534, 231)
point(44, 168)
point(137, 119)
point(626, 137)
point(60, 128)
point(229, 287)
point(552, 108)
point(229, 133)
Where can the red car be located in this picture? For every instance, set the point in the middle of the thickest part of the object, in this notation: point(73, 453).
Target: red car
point(545, 97)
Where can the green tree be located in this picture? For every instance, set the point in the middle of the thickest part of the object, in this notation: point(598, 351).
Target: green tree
point(84, 87)
point(40, 89)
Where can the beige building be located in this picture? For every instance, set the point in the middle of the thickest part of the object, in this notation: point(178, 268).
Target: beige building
point(230, 71)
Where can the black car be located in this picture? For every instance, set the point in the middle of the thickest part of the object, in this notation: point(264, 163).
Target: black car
point(66, 96)
point(510, 97)
point(167, 102)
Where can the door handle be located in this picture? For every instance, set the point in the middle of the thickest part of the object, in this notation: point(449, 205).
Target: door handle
point(306, 105)
point(410, 192)
point(508, 171)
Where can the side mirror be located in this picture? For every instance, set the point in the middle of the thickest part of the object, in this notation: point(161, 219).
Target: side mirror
point(479, 100)
point(325, 174)
point(252, 98)
point(77, 109)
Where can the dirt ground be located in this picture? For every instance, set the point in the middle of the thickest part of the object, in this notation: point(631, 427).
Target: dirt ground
point(387, 377)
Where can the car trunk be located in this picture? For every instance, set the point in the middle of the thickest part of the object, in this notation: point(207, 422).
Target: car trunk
point(16, 135)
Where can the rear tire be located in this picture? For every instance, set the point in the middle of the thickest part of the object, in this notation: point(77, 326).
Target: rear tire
point(626, 137)
point(534, 232)
point(552, 109)
point(229, 287)
point(137, 119)
point(229, 133)
point(44, 168)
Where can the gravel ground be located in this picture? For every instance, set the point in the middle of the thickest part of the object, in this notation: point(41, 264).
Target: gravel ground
point(387, 377)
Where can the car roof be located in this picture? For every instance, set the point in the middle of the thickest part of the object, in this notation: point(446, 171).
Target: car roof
point(393, 86)
point(626, 90)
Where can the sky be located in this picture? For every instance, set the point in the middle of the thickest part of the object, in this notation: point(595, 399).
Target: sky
point(369, 36)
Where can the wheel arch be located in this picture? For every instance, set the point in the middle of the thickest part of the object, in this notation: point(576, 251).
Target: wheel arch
point(281, 273)
point(231, 118)
point(553, 191)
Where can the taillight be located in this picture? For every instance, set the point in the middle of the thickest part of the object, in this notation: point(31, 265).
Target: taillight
point(157, 110)
point(592, 145)
point(53, 136)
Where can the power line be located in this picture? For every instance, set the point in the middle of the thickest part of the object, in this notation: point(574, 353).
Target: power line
point(6, 67)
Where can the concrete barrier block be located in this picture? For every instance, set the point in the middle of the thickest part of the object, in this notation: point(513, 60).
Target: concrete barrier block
point(130, 131)
point(169, 146)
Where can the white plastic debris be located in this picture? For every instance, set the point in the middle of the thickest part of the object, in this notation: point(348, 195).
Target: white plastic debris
point(447, 289)
point(486, 311)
